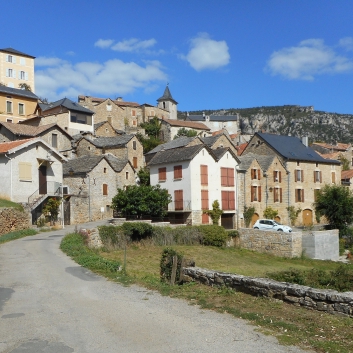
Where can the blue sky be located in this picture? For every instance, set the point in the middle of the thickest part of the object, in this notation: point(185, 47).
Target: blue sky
point(214, 54)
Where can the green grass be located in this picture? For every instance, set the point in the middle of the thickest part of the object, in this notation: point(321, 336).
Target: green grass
point(291, 325)
point(7, 203)
point(17, 235)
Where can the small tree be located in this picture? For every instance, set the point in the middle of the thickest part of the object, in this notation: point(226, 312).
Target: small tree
point(293, 214)
point(335, 202)
point(152, 128)
point(144, 176)
point(51, 209)
point(215, 213)
point(185, 132)
point(25, 86)
point(345, 162)
point(248, 214)
point(270, 213)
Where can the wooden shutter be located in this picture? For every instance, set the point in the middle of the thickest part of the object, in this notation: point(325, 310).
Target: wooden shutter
point(259, 191)
point(105, 189)
point(295, 175)
point(314, 176)
point(162, 174)
point(274, 175)
point(230, 176)
point(231, 200)
point(302, 175)
point(178, 172)
point(134, 162)
point(333, 177)
point(178, 200)
point(204, 200)
point(223, 176)
point(25, 170)
point(280, 195)
point(320, 176)
point(296, 195)
point(253, 173)
point(224, 200)
point(258, 174)
point(302, 192)
point(275, 190)
point(204, 174)
point(205, 218)
point(252, 193)
point(280, 176)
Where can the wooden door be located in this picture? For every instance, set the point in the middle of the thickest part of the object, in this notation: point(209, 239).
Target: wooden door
point(307, 217)
point(254, 218)
point(42, 179)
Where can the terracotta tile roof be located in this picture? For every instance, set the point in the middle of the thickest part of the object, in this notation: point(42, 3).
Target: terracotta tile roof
point(347, 174)
point(241, 148)
point(338, 147)
point(117, 102)
point(334, 155)
point(189, 124)
point(7, 146)
point(26, 130)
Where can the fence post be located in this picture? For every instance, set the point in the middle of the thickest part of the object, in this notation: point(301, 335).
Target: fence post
point(174, 270)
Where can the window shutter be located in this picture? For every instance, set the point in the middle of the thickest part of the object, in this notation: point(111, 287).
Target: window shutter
point(258, 174)
point(314, 176)
point(280, 195)
point(320, 176)
point(280, 176)
point(14, 73)
point(204, 200)
point(134, 161)
point(25, 170)
point(14, 59)
point(224, 200)
point(19, 75)
point(252, 193)
point(274, 194)
point(26, 76)
point(178, 199)
point(259, 191)
point(302, 175)
point(302, 191)
point(7, 72)
point(333, 177)
point(105, 189)
point(230, 181)
point(274, 175)
point(7, 58)
point(231, 200)
point(295, 176)
point(178, 174)
point(223, 176)
point(296, 195)
point(204, 174)
point(162, 174)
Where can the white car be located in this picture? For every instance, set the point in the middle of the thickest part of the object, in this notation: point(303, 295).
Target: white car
point(270, 224)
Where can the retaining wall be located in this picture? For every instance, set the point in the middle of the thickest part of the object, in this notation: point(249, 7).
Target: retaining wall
point(329, 301)
point(12, 219)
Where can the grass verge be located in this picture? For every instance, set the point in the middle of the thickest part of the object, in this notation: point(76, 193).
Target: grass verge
point(7, 203)
point(16, 235)
point(290, 324)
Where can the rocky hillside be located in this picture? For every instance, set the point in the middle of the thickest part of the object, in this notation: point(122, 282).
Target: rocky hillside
point(291, 119)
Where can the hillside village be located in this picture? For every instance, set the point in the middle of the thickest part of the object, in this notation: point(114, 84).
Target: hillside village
point(83, 151)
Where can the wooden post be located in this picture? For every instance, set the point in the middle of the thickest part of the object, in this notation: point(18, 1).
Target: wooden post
point(183, 262)
point(174, 270)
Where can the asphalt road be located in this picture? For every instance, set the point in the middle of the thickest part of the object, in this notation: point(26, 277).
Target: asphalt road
point(50, 304)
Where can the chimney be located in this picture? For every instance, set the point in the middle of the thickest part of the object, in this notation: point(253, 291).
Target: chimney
point(119, 99)
point(305, 141)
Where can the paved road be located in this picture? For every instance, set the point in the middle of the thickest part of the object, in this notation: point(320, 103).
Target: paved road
point(50, 304)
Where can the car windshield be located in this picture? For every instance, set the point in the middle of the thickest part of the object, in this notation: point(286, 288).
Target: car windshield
point(277, 223)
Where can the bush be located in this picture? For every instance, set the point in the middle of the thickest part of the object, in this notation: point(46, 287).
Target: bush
point(233, 234)
point(167, 236)
point(213, 235)
point(137, 230)
point(166, 265)
point(113, 237)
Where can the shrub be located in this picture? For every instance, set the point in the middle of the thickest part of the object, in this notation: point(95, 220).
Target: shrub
point(248, 213)
point(113, 237)
point(233, 233)
point(213, 235)
point(166, 265)
point(137, 230)
point(270, 213)
point(167, 236)
point(292, 276)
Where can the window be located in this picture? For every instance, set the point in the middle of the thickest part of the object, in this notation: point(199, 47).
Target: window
point(204, 200)
point(126, 175)
point(25, 171)
point(105, 189)
point(277, 177)
point(133, 112)
point(204, 174)
point(255, 174)
point(256, 193)
point(109, 107)
point(21, 109)
point(178, 199)
point(22, 75)
point(134, 162)
point(152, 113)
point(8, 107)
point(299, 195)
point(162, 174)
point(80, 118)
point(105, 170)
point(9, 120)
point(298, 175)
point(134, 145)
point(277, 195)
point(54, 140)
point(333, 177)
point(134, 122)
point(11, 73)
point(317, 176)
point(227, 176)
point(10, 59)
point(178, 172)
point(228, 200)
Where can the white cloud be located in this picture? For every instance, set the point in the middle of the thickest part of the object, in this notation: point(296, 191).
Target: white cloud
point(111, 78)
point(45, 61)
point(103, 43)
point(134, 45)
point(310, 58)
point(206, 53)
point(346, 43)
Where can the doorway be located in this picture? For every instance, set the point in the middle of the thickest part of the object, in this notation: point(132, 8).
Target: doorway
point(307, 217)
point(42, 180)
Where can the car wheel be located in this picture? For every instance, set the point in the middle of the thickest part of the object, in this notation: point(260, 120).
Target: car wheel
point(279, 230)
point(256, 227)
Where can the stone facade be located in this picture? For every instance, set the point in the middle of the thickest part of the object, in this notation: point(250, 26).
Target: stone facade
point(329, 301)
point(274, 243)
point(12, 219)
point(105, 130)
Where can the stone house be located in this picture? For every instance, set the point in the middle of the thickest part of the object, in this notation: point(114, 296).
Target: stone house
point(221, 140)
point(30, 171)
point(70, 116)
point(16, 104)
point(121, 146)
point(334, 151)
point(90, 183)
point(195, 176)
point(105, 129)
point(53, 134)
point(217, 122)
point(307, 170)
point(170, 128)
point(347, 178)
point(263, 181)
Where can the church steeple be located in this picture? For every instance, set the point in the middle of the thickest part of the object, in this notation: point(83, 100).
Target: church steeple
point(167, 102)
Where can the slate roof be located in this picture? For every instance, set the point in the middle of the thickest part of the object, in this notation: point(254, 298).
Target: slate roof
point(115, 141)
point(189, 124)
point(264, 161)
point(16, 52)
point(212, 117)
point(85, 164)
point(219, 153)
point(179, 142)
point(167, 96)
point(18, 92)
point(176, 155)
point(66, 103)
point(291, 148)
point(210, 140)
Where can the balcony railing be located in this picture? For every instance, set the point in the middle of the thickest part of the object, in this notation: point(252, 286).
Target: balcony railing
point(47, 189)
point(180, 206)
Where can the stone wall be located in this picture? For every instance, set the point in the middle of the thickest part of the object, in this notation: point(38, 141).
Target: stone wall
point(12, 219)
point(276, 243)
point(330, 301)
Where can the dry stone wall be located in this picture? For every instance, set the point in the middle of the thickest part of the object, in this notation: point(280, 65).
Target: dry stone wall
point(12, 219)
point(329, 301)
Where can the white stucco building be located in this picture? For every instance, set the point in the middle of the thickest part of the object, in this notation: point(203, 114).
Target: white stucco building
point(195, 177)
